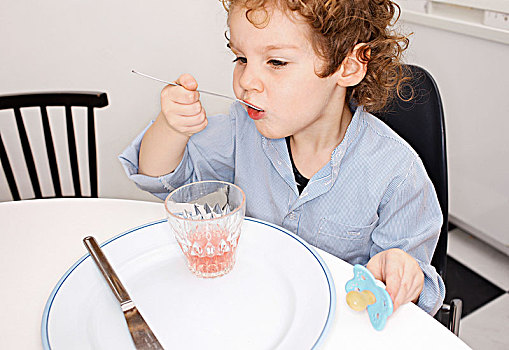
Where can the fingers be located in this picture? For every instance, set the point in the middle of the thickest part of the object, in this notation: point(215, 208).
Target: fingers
point(394, 287)
point(188, 82)
point(184, 94)
point(182, 109)
point(404, 289)
point(375, 266)
point(383, 269)
point(184, 120)
point(404, 278)
point(402, 275)
point(181, 106)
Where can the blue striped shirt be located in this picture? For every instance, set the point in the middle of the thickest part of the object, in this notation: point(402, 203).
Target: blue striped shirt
point(373, 194)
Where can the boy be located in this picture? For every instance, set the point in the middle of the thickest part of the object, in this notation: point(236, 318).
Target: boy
point(314, 160)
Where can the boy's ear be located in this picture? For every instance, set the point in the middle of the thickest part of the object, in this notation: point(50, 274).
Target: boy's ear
point(352, 70)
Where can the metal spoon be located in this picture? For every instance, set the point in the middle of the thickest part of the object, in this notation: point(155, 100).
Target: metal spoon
point(202, 91)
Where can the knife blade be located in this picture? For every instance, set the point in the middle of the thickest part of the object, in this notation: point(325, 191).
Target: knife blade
point(141, 334)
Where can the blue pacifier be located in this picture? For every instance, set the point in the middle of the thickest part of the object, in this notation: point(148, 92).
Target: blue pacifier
point(362, 291)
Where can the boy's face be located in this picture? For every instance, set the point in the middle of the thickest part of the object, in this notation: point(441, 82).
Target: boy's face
point(275, 70)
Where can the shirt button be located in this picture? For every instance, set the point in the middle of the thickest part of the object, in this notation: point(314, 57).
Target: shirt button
point(292, 216)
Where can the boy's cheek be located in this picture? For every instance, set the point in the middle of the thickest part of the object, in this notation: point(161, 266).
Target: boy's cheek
point(237, 90)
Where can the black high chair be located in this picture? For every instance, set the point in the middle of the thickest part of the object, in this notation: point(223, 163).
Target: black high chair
point(417, 116)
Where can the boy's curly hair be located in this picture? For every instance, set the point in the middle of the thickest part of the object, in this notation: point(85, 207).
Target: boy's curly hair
point(336, 27)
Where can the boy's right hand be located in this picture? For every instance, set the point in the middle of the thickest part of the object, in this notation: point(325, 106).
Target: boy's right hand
point(181, 106)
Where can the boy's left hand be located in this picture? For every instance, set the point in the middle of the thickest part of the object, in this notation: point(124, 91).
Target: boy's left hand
point(401, 274)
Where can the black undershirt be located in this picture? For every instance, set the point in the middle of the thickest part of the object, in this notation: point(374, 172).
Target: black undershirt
point(299, 179)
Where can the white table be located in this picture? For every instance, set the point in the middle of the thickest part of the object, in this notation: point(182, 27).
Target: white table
point(41, 239)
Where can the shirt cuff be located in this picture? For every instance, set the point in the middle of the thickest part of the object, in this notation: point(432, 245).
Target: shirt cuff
point(433, 292)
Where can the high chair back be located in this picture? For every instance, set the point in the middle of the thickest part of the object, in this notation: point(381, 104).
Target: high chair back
point(417, 116)
point(67, 100)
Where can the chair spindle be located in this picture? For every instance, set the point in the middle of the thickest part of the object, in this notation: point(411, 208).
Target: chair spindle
point(73, 153)
point(8, 171)
point(92, 152)
point(50, 150)
point(27, 151)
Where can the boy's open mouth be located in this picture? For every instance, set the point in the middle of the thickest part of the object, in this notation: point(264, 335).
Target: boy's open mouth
point(249, 104)
point(254, 113)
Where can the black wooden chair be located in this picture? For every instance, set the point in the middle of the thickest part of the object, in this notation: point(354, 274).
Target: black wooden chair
point(417, 116)
point(90, 100)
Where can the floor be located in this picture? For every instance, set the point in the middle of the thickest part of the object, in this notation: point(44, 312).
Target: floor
point(479, 275)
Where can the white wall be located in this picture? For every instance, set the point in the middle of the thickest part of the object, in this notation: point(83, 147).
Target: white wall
point(94, 44)
point(473, 78)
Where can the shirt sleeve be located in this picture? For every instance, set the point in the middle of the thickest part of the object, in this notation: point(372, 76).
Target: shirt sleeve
point(410, 219)
point(209, 155)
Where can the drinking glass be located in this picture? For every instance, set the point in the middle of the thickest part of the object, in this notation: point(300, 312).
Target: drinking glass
point(206, 218)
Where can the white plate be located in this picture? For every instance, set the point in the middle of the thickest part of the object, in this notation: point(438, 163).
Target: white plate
point(280, 294)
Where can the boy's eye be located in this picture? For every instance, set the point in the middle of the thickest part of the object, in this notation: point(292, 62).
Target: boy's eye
point(241, 60)
point(277, 63)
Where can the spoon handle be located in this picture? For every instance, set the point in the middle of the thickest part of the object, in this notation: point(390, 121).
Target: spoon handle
point(201, 91)
point(177, 84)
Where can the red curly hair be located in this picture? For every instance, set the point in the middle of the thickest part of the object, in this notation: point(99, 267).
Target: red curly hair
point(336, 26)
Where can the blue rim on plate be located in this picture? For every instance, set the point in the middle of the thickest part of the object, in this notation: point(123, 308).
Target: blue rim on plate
point(332, 290)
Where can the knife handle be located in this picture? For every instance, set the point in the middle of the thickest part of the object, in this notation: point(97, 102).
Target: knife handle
point(106, 270)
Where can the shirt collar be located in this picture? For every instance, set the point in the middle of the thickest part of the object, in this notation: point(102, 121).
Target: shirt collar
point(337, 154)
point(350, 135)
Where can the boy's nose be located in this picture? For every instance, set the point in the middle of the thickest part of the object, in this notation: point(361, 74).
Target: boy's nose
point(249, 80)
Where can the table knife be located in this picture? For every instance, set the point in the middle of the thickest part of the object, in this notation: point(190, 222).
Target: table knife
point(141, 334)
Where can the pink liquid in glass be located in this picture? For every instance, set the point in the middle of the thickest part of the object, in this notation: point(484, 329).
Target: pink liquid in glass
point(212, 253)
